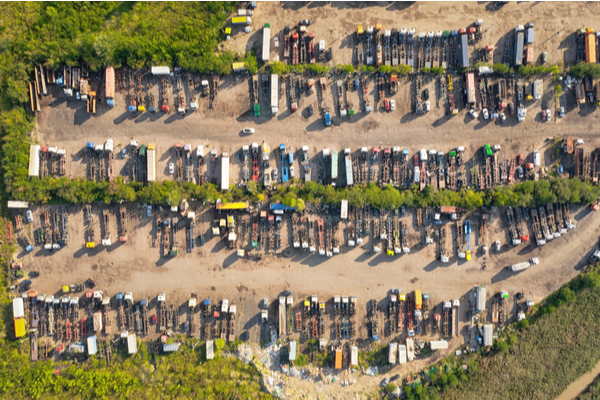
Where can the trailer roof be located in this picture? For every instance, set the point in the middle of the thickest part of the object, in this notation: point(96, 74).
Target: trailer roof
point(34, 160)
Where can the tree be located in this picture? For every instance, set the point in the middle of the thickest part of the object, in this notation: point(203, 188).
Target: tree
point(500, 68)
point(390, 388)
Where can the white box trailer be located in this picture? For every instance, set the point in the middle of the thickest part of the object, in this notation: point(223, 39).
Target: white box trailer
point(225, 171)
point(402, 354)
point(151, 164)
point(393, 350)
point(266, 48)
point(274, 94)
point(438, 345)
point(344, 210)
point(34, 160)
point(349, 180)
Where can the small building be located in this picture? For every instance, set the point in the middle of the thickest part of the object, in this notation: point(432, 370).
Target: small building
point(354, 356)
point(92, 345)
point(292, 356)
point(34, 160)
point(210, 351)
point(78, 348)
point(169, 348)
point(487, 335)
point(278, 208)
point(131, 344)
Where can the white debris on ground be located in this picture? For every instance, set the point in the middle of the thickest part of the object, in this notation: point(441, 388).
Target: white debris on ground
point(277, 378)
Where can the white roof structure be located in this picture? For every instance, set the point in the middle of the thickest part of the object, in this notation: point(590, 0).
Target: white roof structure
point(354, 355)
point(34, 160)
point(92, 345)
point(344, 211)
point(161, 70)
point(438, 344)
point(17, 204)
point(18, 310)
point(292, 350)
point(487, 335)
point(210, 352)
point(402, 354)
point(131, 344)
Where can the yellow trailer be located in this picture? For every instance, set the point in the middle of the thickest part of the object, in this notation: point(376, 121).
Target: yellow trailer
point(418, 299)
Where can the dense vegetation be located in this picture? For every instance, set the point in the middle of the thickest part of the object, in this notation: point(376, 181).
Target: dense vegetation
point(534, 359)
point(136, 34)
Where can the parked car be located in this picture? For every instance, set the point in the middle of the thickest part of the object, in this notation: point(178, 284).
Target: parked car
point(29, 216)
point(561, 112)
point(275, 174)
point(276, 40)
point(291, 171)
point(520, 172)
point(474, 114)
point(503, 118)
point(548, 115)
point(485, 113)
point(311, 110)
point(416, 159)
point(386, 103)
point(124, 153)
point(171, 168)
point(392, 105)
point(34, 274)
point(545, 57)
point(248, 131)
point(149, 211)
point(26, 282)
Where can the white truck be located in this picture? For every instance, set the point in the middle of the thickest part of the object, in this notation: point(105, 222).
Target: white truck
point(524, 265)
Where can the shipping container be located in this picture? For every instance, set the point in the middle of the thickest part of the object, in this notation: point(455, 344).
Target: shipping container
point(590, 48)
point(110, 86)
point(529, 35)
point(529, 56)
point(241, 21)
point(470, 87)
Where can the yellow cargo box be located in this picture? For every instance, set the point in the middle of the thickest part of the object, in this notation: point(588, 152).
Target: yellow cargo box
point(90, 245)
point(19, 327)
point(418, 299)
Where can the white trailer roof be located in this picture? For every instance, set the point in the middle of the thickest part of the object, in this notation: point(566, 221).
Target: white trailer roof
point(225, 172)
point(92, 345)
point(18, 310)
point(131, 344)
point(18, 204)
point(344, 212)
point(161, 70)
point(487, 335)
point(210, 352)
point(34, 160)
point(354, 355)
point(292, 350)
point(266, 49)
point(438, 344)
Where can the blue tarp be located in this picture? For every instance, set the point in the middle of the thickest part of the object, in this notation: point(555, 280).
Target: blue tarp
point(279, 206)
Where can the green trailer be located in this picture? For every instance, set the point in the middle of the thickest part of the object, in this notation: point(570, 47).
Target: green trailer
point(257, 110)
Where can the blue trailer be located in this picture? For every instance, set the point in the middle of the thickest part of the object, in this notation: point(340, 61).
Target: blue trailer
point(291, 158)
point(464, 50)
point(519, 48)
point(284, 169)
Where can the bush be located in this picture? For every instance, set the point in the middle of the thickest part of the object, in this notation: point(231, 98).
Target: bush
point(390, 388)
point(500, 68)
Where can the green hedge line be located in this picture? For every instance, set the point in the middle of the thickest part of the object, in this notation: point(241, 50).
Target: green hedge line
point(15, 127)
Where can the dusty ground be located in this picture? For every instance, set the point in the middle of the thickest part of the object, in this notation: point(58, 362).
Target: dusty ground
point(213, 271)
